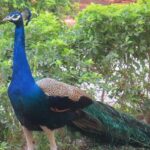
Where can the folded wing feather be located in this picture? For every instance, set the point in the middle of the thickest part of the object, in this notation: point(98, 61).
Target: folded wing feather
point(52, 87)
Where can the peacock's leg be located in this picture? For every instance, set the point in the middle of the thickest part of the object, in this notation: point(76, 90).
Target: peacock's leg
point(51, 137)
point(29, 138)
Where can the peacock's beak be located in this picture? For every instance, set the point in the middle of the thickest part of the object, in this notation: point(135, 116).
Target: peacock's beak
point(7, 18)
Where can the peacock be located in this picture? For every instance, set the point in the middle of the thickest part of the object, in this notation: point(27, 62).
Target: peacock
point(47, 104)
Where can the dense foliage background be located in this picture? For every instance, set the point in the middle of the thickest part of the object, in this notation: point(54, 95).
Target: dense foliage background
point(109, 46)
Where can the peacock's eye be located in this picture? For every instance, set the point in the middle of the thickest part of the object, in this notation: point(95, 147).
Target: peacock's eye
point(15, 16)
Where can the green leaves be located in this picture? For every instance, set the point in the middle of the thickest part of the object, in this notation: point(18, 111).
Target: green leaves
point(116, 39)
point(109, 46)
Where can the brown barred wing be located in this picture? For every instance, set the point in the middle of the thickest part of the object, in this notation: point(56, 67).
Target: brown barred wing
point(64, 97)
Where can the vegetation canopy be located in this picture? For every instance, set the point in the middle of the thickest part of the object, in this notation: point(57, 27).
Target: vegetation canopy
point(109, 46)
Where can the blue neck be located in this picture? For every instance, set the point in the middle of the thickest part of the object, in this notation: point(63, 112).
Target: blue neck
point(21, 69)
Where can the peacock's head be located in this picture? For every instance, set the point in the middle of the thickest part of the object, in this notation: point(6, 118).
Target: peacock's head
point(16, 17)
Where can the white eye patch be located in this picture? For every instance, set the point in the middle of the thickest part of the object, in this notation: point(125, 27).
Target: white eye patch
point(15, 17)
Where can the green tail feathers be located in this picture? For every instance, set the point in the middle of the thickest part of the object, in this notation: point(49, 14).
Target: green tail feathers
point(106, 125)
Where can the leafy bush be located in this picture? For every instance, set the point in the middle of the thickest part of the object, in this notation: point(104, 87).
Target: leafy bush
point(116, 39)
point(60, 8)
point(109, 46)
